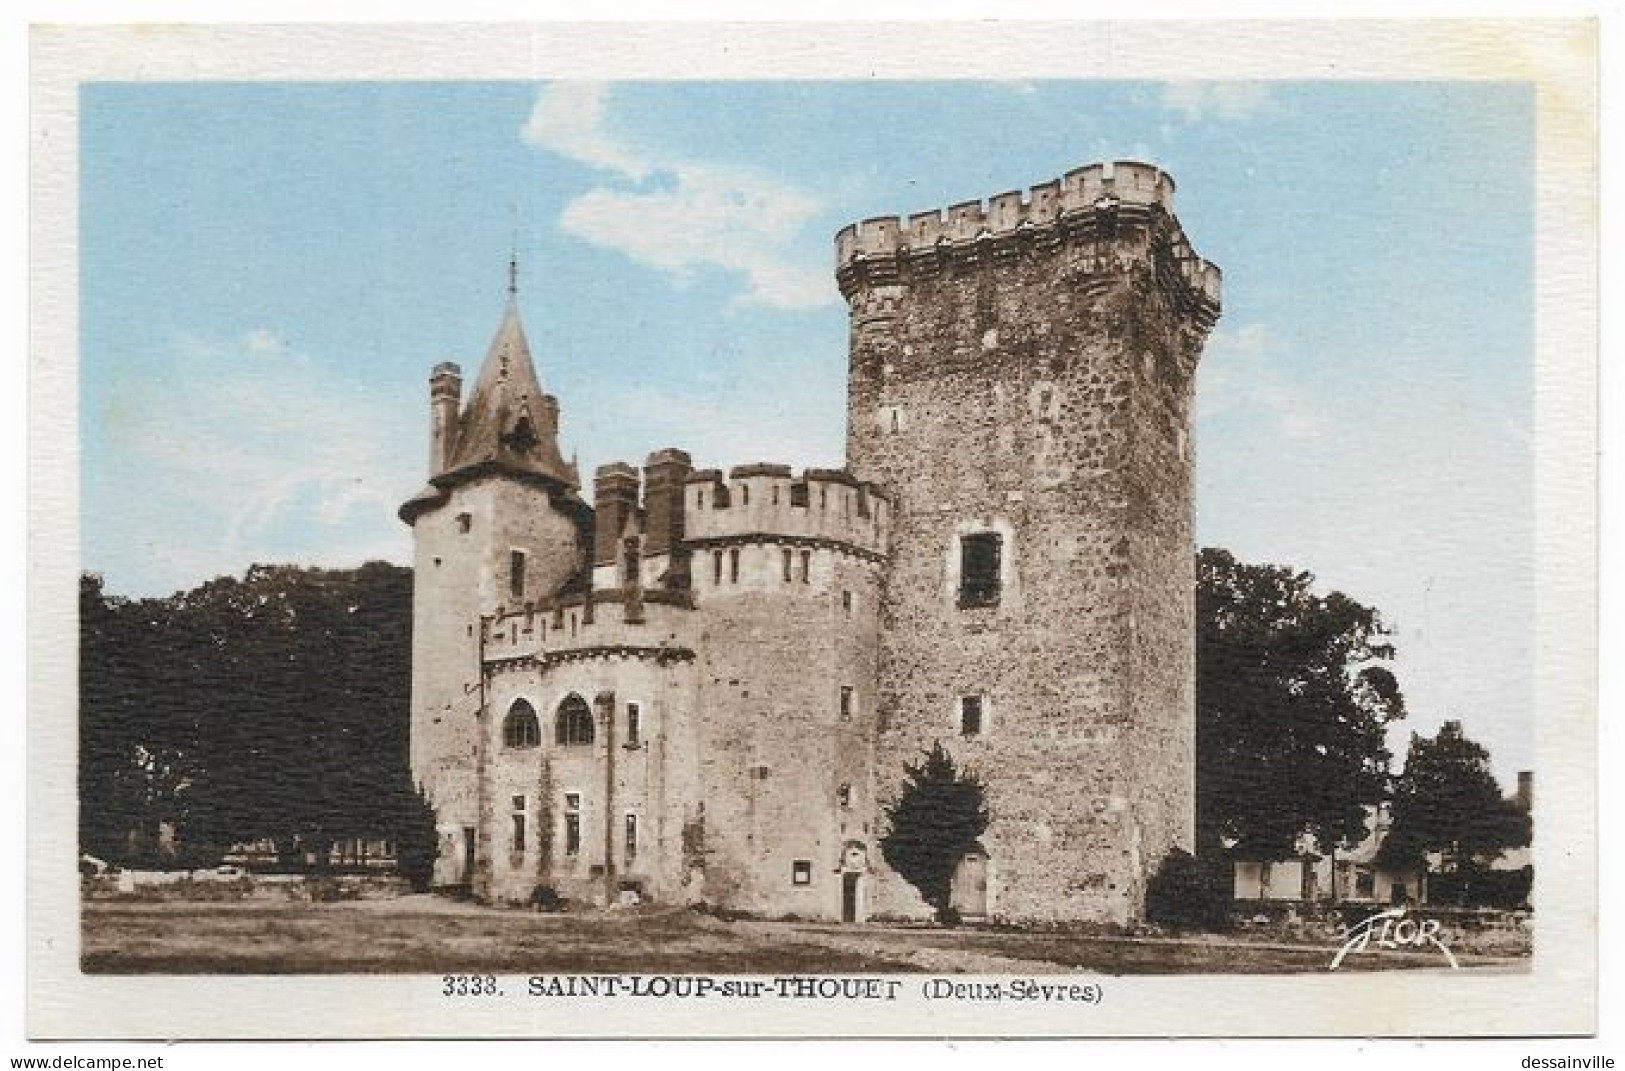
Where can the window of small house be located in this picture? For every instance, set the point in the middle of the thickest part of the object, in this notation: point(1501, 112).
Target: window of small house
point(573, 723)
point(979, 561)
point(521, 728)
point(801, 872)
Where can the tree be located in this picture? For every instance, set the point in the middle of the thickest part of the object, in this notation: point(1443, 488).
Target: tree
point(1293, 701)
point(275, 705)
point(1446, 800)
point(935, 820)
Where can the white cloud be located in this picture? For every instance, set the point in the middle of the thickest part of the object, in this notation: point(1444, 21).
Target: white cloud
point(568, 119)
point(1196, 101)
point(258, 462)
point(1240, 374)
point(681, 215)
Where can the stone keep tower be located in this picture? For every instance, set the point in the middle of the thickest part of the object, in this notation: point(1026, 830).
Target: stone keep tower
point(500, 526)
point(1021, 380)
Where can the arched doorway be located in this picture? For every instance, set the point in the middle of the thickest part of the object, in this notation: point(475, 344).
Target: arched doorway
point(968, 894)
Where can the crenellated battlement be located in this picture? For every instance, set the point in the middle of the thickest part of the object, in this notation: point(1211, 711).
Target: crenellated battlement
point(771, 502)
point(655, 625)
point(1083, 201)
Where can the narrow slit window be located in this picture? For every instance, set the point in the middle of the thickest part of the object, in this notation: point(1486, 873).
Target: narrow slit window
point(846, 702)
point(980, 560)
point(518, 833)
point(843, 796)
point(716, 567)
point(631, 837)
point(788, 556)
point(806, 565)
point(572, 823)
point(516, 574)
point(634, 725)
point(733, 565)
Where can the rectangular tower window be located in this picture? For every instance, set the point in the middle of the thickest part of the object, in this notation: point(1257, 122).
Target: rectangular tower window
point(843, 795)
point(716, 567)
point(846, 702)
point(519, 833)
point(801, 872)
point(631, 837)
point(846, 602)
point(572, 823)
point(970, 715)
point(634, 727)
point(788, 556)
point(465, 521)
point(516, 574)
point(733, 566)
point(806, 565)
point(979, 561)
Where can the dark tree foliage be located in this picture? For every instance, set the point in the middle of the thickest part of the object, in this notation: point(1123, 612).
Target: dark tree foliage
point(1446, 800)
point(271, 706)
point(935, 820)
point(1292, 704)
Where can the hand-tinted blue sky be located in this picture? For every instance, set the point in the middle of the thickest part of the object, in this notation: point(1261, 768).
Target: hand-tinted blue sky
point(269, 271)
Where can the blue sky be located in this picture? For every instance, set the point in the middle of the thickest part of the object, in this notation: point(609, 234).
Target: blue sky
point(269, 271)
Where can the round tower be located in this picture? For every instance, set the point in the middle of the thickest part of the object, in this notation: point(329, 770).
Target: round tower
point(499, 526)
point(1021, 380)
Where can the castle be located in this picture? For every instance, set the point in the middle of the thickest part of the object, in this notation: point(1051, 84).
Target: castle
point(705, 686)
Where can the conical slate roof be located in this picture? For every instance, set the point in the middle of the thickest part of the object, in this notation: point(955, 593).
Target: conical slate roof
point(508, 421)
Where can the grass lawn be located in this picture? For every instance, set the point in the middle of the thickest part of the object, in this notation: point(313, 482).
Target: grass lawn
point(422, 934)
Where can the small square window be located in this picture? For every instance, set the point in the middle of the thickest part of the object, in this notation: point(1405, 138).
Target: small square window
point(970, 715)
point(518, 803)
point(801, 872)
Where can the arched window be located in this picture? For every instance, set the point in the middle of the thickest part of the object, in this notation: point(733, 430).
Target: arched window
point(520, 728)
point(573, 725)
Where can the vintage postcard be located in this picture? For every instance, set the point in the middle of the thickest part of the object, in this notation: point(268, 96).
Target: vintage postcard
point(712, 530)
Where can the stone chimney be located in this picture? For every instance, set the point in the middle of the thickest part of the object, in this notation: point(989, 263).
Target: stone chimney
point(445, 397)
point(615, 499)
point(665, 477)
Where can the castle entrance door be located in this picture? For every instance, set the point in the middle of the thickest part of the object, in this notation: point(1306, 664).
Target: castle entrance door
point(968, 894)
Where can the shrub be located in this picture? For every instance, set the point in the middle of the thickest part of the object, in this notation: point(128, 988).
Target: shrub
point(1188, 893)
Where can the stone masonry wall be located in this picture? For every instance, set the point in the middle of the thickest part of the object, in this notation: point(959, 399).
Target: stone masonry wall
point(1040, 389)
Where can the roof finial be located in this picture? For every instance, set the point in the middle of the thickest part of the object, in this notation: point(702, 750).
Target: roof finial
point(513, 249)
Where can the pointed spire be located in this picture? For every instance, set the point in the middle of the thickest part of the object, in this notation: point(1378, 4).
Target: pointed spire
point(509, 420)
